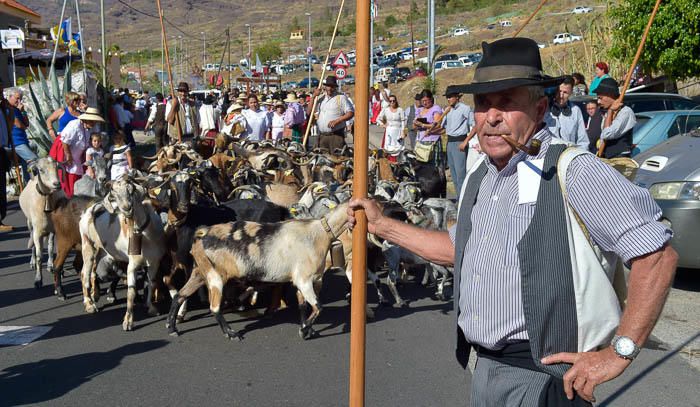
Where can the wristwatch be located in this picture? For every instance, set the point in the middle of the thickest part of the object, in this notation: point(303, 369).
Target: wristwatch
point(625, 347)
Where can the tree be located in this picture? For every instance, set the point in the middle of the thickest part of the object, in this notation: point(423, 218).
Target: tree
point(673, 45)
point(268, 50)
point(390, 21)
point(294, 25)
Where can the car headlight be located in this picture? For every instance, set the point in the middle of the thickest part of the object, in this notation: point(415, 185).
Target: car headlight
point(676, 191)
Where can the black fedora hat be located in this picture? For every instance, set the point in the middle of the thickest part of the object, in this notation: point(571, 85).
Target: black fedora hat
point(452, 91)
point(331, 81)
point(506, 64)
point(608, 86)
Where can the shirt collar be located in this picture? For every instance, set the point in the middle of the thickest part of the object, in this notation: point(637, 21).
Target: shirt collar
point(544, 135)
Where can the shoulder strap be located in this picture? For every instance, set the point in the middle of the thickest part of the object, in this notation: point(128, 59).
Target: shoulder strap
point(566, 157)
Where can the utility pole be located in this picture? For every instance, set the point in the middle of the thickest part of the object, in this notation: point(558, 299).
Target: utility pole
point(410, 21)
point(82, 46)
point(204, 50)
point(228, 44)
point(249, 50)
point(431, 38)
point(308, 50)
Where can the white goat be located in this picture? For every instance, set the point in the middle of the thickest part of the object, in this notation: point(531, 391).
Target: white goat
point(114, 226)
point(36, 202)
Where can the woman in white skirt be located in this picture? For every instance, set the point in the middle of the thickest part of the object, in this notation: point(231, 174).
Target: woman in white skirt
point(393, 119)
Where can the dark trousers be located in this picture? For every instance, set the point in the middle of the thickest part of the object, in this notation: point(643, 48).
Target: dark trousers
point(161, 133)
point(129, 133)
point(4, 166)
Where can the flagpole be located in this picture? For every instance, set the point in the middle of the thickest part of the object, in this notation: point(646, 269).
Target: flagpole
point(82, 49)
point(58, 35)
point(104, 46)
point(14, 68)
point(359, 190)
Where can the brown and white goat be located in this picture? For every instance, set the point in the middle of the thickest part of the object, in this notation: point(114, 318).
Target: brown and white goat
point(292, 251)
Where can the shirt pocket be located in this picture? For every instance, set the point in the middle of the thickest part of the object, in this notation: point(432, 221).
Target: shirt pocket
point(523, 211)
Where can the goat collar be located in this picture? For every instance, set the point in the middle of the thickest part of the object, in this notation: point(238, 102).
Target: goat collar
point(38, 187)
point(327, 228)
point(174, 221)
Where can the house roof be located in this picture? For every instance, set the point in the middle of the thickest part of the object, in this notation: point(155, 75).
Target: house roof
point(21, 7)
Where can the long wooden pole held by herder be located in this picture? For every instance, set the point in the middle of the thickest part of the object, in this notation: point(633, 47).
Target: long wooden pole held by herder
point(310, 121)
point(529, 18)
point(628, 78)
point(170, 72)
point(359, 190)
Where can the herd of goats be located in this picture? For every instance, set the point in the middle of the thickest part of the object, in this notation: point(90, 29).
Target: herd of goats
point(235, 219)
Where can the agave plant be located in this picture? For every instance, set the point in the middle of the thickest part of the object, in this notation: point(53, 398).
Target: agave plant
point(47, 95)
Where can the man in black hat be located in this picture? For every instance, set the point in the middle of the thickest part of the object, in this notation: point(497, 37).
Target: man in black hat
point(618, 121)
point(189, 116)
point(531, 296)
point(334, 109)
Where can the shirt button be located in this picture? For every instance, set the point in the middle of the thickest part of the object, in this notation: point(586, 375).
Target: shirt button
point(485, 239)
point(477, 278)
point(494, 198)
point(475, 317)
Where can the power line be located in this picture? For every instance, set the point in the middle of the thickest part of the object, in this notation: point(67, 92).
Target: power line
point(167, 21)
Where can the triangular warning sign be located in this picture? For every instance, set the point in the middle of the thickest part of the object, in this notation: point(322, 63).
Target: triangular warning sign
point(341, 60)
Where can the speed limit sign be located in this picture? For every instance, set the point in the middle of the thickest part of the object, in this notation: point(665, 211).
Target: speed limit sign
point(340, 72)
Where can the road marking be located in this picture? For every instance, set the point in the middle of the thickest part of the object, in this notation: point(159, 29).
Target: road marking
point(21, 335)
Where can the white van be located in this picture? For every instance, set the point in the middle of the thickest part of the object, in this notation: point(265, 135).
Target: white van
point(459, 32)
point(383, 74)
point(506, 23)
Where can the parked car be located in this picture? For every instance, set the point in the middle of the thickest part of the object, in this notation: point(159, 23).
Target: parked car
point(419, 72)
point(459, 32)
point(654, 128)
point(304, 83)
point(439, 66)
point(348, 80)
point(491, 26)
point(581, 10)
point(447, 57)
point(399, 74)
point(671, 172)
point(563, 38)
point(291, 85)
point(506, 23)
point(471, 58)
point(314, 59)
point(645, 102)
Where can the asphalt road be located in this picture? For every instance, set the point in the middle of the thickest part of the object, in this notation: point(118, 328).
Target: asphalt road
point(88, 360)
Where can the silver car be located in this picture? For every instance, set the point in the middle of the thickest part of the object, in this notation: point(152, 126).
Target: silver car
point(671, 172)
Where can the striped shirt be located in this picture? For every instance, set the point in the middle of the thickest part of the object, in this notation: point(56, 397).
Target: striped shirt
point(620, 217)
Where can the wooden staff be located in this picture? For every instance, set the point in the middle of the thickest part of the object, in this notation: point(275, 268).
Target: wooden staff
point(530, 18)
point(628, 78)
point(323, 74)
point(359, 190)
point(170, 73)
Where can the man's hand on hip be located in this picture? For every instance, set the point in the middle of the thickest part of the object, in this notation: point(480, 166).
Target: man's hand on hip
point(588, 371)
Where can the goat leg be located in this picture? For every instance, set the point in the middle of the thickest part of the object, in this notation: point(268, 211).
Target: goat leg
point(180, 298)
point(151, 272)
point(112, 292)
point(51, 241)
point(215, 284)
point(391, 282)
point(307, 295)
point(128, 323)
point(37, 260)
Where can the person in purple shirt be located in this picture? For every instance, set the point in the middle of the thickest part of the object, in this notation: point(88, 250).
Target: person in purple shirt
point(427, 121)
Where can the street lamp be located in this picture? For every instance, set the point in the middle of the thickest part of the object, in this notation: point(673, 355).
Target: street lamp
point(308, 50)
point(204, 50)
point(180, 63)
point(249, 51)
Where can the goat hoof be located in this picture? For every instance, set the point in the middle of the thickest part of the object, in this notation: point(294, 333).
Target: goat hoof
point(307, 333)
point(179, 318)
point(111, 299)
point(38, 284)
point(231, 335)
point(61, 296)
point(90, 308)
point(127, 325)
point(402, 304)
point(174, 333)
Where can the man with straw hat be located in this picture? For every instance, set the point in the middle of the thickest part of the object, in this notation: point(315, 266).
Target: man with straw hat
point(531, 296)
point(334, 109)
point(75, 139)
point(234, 121)
point(294, 117)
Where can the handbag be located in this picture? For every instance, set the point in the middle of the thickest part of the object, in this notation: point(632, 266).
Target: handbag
point(423, 151)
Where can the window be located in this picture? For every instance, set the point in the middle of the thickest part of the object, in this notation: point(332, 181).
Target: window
point(647, 105)
point(683, 104)
point(686, 123)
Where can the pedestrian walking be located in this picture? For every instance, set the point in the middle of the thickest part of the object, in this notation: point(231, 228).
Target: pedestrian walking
point(618, 121)
point(546, 326)
point(157, 122)
point(75, 139)
point(6, 117)
point(189, 115)
point(564, 119)
point(393, 120)
point(428, 143)
point(19, 132)
point(257, 121)
point(334, 110)
point(457, 121)
point(601, 72)
point(594, 125)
